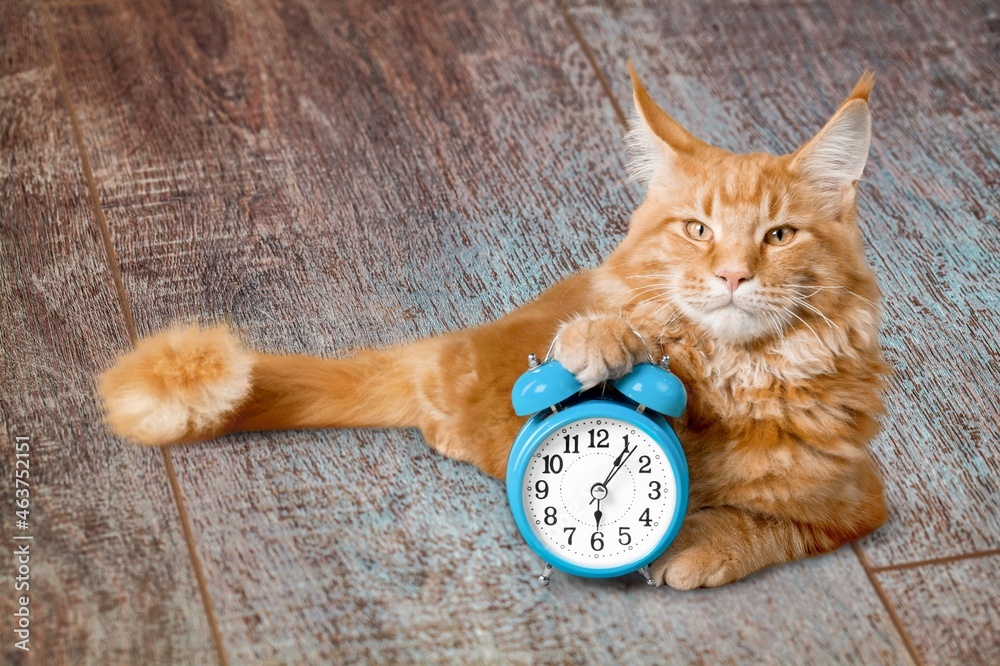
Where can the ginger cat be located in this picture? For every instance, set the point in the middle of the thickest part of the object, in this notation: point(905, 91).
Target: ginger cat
point(748, 270)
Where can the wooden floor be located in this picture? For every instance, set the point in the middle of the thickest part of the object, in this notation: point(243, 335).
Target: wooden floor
point(329, 175)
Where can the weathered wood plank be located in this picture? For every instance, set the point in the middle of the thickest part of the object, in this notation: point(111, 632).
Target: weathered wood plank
point(110, 578)
point(764, 76)
point(950, 609)
point(332, 177)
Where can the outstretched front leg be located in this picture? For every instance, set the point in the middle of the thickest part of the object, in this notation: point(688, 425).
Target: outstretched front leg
point(464, 386)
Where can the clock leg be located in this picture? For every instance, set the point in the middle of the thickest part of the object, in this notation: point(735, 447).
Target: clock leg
point(644, 571)
point(544, 578)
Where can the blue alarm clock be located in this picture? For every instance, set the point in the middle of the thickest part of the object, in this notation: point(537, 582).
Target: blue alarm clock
point(597, 480)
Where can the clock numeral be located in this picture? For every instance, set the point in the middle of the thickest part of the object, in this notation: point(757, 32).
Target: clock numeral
point(654, 490)
point(550, 515)
point(644, 462)
point(598, 439)
point(541, 489)
point(553, 464)
point(624, 538)
point(646, 520)
point(572, 531)
point(575, 442)
point(597, 541)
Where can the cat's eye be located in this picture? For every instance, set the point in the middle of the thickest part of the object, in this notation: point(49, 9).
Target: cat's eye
point(779, 236)
point(697, 230)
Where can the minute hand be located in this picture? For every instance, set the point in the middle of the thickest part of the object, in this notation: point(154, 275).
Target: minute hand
point(620, 461)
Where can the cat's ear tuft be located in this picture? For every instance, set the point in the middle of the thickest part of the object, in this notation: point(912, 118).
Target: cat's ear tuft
point(863, 88)
point(835, 158)
point(655, 140)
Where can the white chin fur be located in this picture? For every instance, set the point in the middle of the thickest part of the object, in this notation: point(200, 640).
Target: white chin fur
point(731, 324)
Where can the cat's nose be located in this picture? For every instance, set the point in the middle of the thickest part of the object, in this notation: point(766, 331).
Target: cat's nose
point(733, 279)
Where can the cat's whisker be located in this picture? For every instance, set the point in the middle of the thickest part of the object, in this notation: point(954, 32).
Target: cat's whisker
point(772, 318)
point(801, 288)
point(665, 294)
point(818, 339)
point(874, 305)
point(668, 308)
point(801, 302)
point(649, 285)
point(638, 297)
point(820, 287)
point(573, 281)
point(664, 301)
point(810, 286)
point(661, 296)
point(659, 276)
point(663, 329)
point(649, 293)
point(653, 284)
point(652, 290)
point(673, 318)
point(809, 295)
point(663, 306)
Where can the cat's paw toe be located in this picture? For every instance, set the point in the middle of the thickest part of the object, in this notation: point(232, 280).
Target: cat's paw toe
point(597, 348)
point(693, 567)
point(176, 384)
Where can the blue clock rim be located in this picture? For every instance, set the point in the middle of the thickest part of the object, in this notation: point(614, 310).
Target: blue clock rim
point(540, 426)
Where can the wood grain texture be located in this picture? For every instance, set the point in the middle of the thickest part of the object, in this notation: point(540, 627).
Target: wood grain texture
point(950, 610)
point(764, 76)
point(294, 143)
point(110, 578)
point(332, 177)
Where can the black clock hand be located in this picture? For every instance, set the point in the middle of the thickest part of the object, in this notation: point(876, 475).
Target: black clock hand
point(622, 463)
point(619, 462)
point(597, 515)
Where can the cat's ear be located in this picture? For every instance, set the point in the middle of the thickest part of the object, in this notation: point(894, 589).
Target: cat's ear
point(833, 160)
point(655, 140)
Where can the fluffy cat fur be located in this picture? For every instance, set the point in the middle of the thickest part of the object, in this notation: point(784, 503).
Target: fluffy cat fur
point(775, 340)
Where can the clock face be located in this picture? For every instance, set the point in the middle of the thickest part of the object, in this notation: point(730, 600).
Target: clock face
point(599, 493)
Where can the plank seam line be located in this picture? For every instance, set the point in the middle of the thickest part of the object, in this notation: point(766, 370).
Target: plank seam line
point(102, 222)
point(589, 53)
point(937, 560)
point(199, 572)
point(889, 606)
point(130, 325)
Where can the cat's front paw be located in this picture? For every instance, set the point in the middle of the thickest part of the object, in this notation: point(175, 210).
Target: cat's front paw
point(695, 566)
point(596, 348)
point(703, 554)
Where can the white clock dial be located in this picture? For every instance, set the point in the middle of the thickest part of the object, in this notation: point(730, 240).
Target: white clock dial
point(567, 480)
